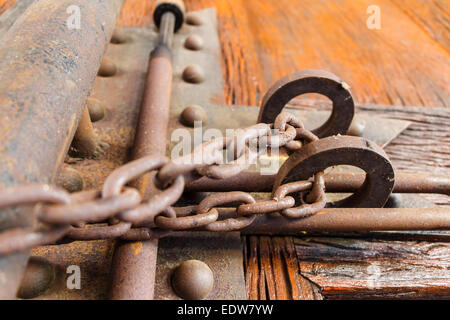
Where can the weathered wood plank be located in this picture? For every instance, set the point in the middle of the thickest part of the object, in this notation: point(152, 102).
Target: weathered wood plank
point(406, 62)
point(350, 268)
point(272, 271)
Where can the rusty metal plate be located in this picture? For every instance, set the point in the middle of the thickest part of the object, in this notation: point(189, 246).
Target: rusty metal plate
point(94, 260)
point(122, 96)
point(221, 252)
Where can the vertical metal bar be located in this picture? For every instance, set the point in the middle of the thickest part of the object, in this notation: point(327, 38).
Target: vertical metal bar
point(47, 67)
point(166, 29)
point(134, 263)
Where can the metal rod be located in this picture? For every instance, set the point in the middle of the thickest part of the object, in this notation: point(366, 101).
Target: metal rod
point(46, 73)
point(355, 220)
point(334, 182)
point(166, 29)
point(134, 263)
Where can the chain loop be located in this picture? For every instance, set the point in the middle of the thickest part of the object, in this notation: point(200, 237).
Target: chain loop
point(230, 224)
point(316, 196)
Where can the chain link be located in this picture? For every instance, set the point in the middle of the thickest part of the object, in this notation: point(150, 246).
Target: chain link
point(118, 211)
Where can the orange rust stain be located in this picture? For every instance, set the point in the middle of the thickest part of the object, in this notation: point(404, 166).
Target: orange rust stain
point(137, 247)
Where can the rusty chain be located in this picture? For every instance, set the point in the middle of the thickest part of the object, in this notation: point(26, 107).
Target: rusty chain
point(118, 211)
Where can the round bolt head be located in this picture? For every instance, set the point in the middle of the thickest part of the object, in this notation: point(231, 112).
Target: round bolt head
point(38, 277)
point(107, 68)
point(96, 109)
point(193, 280)
point(119, 36)
point(193, 42)
point(193, 74)
point(193, 19)
point(191, 114)
point(70, 179)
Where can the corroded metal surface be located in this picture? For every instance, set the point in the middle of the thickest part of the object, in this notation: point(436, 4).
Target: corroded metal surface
point(10, 16)
point(134, 269)
point(39, 118)
point(355, 219)
point(252, 181)
point(221, 252)
point(344, 150)
point(311, 81)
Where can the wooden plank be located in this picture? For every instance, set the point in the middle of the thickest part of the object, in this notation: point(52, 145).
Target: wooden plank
point(405, 63)
point(350, 268)
point(272, 271)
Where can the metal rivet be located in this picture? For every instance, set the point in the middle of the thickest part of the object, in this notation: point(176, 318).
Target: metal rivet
point(193, 280)
point(193, 19)
point(394, 201)
point(193, 74)
point(107, 68)
point(356, 128)
point(193, 42)
point(96, 109)
point(191, 114)
point(38, 277)
point(70, 179)
point(119, 36)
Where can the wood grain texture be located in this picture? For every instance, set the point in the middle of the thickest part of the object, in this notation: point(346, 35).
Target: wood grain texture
point(358, 269)
point(272, 271)
point(405, 63)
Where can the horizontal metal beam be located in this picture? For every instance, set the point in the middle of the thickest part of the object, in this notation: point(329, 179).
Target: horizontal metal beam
point(355, 220)
point(334, 182)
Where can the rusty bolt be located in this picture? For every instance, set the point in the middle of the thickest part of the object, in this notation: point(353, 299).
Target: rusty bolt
point(193, 74)
point(96, 109)
point(193, 280)
point(107, 68)
point(38, 277)
point(356, 128)
point(191, 114)
point(193, 19)
point(119, 36)
point(193, 42)
point(70, 179)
